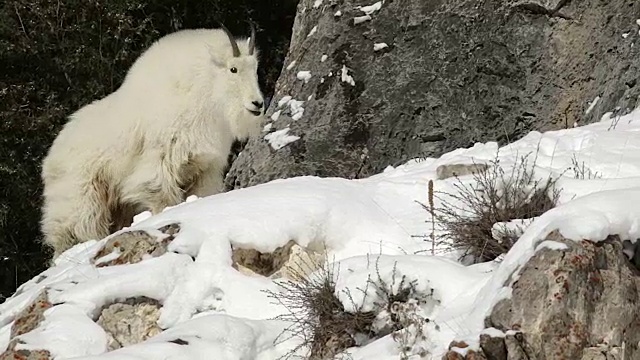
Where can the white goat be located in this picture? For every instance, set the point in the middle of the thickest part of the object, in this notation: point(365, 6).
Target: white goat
point(166, 133)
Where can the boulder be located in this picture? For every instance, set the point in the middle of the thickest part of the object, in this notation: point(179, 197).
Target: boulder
point(378, 85)
point(26, 321)
point(578, 303)
point(130, 322)
point(290, 261)
point(130, 247)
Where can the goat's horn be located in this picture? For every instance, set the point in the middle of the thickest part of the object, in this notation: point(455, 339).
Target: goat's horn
point(252, 42)
point(234, 45)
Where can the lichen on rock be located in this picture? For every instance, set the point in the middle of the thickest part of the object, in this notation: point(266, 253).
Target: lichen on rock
point(130, 322)
point(131, 247)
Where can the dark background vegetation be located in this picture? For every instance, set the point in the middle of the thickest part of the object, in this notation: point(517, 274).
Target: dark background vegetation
point(58, 55)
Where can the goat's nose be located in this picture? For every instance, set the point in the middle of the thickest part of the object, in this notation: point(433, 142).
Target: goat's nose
point(258, 104)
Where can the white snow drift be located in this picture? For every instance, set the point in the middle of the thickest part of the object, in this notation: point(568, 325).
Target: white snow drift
point(223, 312)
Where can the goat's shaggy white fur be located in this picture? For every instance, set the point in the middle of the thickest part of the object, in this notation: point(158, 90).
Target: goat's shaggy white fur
point(166, 133)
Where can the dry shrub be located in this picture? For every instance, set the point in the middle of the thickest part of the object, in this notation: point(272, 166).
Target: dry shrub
point(581, 171)
point(317, 316)
point(398, 312)
point(319, 319)
point(495, 196)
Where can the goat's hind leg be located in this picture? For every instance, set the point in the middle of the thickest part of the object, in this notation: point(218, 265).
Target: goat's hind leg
point(75, 214)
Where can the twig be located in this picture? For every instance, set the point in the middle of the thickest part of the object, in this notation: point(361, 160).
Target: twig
point(24, 30)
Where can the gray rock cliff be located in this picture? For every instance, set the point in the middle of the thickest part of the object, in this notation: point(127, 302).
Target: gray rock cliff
point(453, 73)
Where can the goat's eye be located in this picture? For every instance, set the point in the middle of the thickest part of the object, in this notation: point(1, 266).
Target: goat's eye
point(234, 70)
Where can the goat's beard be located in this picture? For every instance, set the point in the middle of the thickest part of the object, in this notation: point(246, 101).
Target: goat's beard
point(246, 125)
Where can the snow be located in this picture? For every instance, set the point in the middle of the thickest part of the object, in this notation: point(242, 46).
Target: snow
point(280, 138)
point(296, 109)
point(553, 245)
point(379, 46)
point(592, 105)
point(323, 58)
point(360, 19)
point(317, 3)
point(65, 324)
point(345, 77)
point(297, 115)
point(291, 65)
point(268, 127)
point(141, 217)
point(304, 75)
point(368, 10)
point(276, 115)
point(5, 337)
point(285, 100)
point(337, 13)
point(371, 228)
point(313, 31)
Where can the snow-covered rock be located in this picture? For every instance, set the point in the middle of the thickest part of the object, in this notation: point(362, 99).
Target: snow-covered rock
point(372, 228)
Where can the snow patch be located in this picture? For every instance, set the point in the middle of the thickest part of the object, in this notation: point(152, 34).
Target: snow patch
point(370, 9)
point(304, 75)
point(345, 77)
point(552, 245)
point(360, 19)
point(313, 31)
point(317, 3)
point(81, 336)
point(284, 101)
point(291, 65)
point(295, 107)
point(323, 58)
point(280, 138)
point(379, 46)
point(141, 217)
point(592, 105)
point(267, 127)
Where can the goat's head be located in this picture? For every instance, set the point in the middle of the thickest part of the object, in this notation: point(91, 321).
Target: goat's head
point(237, 72)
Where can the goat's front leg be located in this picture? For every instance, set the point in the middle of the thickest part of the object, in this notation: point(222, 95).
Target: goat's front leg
point(208, 182)
point(170, 196)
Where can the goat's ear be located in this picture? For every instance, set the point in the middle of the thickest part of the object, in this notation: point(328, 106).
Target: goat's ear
point(218, 61)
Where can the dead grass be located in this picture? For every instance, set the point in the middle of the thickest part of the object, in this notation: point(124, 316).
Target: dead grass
point(581, 171)
point(398, 312)
point(317, 316)
point(468, 215)
point(325, 329)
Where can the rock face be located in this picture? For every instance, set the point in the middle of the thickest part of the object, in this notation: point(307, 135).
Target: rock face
point(131, 247)
point(452, 73)
point(290, 261)
point(29, 319)
point(130, 322)
point(126, 322)
point(580, 303)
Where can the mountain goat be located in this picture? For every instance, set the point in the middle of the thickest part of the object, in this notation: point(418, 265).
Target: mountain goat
point(164, 134)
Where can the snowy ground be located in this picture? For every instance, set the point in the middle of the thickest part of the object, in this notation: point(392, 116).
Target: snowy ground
point(232, 315)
